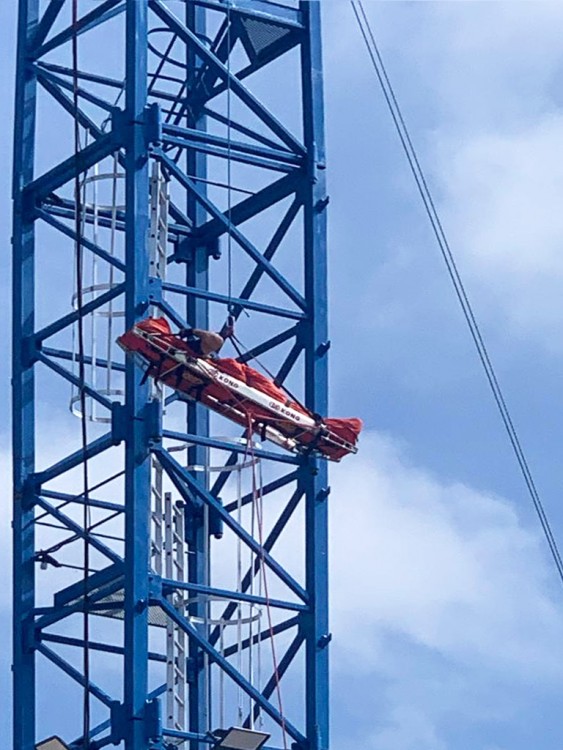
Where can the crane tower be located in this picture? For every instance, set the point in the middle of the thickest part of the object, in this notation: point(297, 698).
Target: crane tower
point(170, 570)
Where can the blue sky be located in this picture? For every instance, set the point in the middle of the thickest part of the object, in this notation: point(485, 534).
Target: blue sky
point(446, 611)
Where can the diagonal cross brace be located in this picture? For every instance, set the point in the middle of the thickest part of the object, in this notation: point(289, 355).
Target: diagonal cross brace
point(235, 233)
point(252, 571)
point(46, 23)
point(284, 664)
point(191, 39)
point(48, 218)
point(75, 316)
point(40, 188)
point(96, 447)
point(250, 207)
point(175, 471)
point(73, 673)
point(78, 531)
point(227, 667)
point(101, 14)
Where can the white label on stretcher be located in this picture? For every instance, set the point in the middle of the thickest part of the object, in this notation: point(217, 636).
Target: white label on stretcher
point(259, 398)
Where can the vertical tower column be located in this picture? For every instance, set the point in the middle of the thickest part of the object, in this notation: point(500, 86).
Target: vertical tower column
point(137, 404)
point(197, 311)
point(316, 380)
point(23, 384)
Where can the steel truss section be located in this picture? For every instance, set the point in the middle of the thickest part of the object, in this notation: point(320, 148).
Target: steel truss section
point(202, 88)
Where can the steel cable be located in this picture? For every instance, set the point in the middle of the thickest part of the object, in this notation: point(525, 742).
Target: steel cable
point(79, 264)
point(454, 274)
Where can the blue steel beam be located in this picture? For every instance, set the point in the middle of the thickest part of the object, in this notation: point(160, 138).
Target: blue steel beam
point(82, 93)
point(88, 244)
point(266, 346)
point(77, 529)
point(228, 668)
point(75, 674)
point(186, 484)
point(23, 383)
point(273, 486)
point(210, 150)
point(269, 543)
point(64, 172)
point(244, 304)
point(280, 627)
point(73, 357)
point(169, 585)
point(104, 12)
point(285, 662)
point(67, 320)
point(137, 454)
point(197, 416)
point(191, 40)
point(270, 251)
point(237, 127)
point(315, 337)
point(237, 149)
point(46, 23)
point(71, 378)
point(66, 498)
point(249, 207)
point(229, 227)
point(97, 133)
point(224, 445)
point(51, 615)
point(106, 648)
point(73, 460)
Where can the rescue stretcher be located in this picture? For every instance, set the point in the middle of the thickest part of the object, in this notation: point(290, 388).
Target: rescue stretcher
point(238, 392)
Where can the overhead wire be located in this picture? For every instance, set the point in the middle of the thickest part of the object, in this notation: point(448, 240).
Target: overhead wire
point(79, 266)
point(455, 276)
point(229, 164)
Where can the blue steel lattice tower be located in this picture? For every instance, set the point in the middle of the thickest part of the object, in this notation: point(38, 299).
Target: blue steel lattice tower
point(182, 157)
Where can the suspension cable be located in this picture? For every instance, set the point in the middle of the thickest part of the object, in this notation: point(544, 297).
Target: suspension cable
point(241, 348)
point(454, 274)
point(79, 265)
point(259, 508)
point(239, 590)
point(229, 164)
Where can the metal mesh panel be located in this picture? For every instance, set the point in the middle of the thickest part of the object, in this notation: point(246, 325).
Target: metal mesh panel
point(262, 34)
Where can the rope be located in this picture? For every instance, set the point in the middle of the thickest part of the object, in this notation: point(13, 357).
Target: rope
point(86, 520)
point(239, 590)
point(260, 502)
point(251, 668)
point(229, 166)
point(260, 524)
point(113, 229)
point(455, 277)
point(237, 343)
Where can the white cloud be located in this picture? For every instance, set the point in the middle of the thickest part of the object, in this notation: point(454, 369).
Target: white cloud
point(448, 567)
point(443, 603)
point(502, 204)
point(493, 158)
point(477, 85)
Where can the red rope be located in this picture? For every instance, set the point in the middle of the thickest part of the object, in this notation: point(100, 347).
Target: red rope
point(82, 380)
point(259, 519)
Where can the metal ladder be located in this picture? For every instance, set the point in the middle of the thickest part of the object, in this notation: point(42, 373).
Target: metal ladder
point(168, 532)
point(175, 568)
